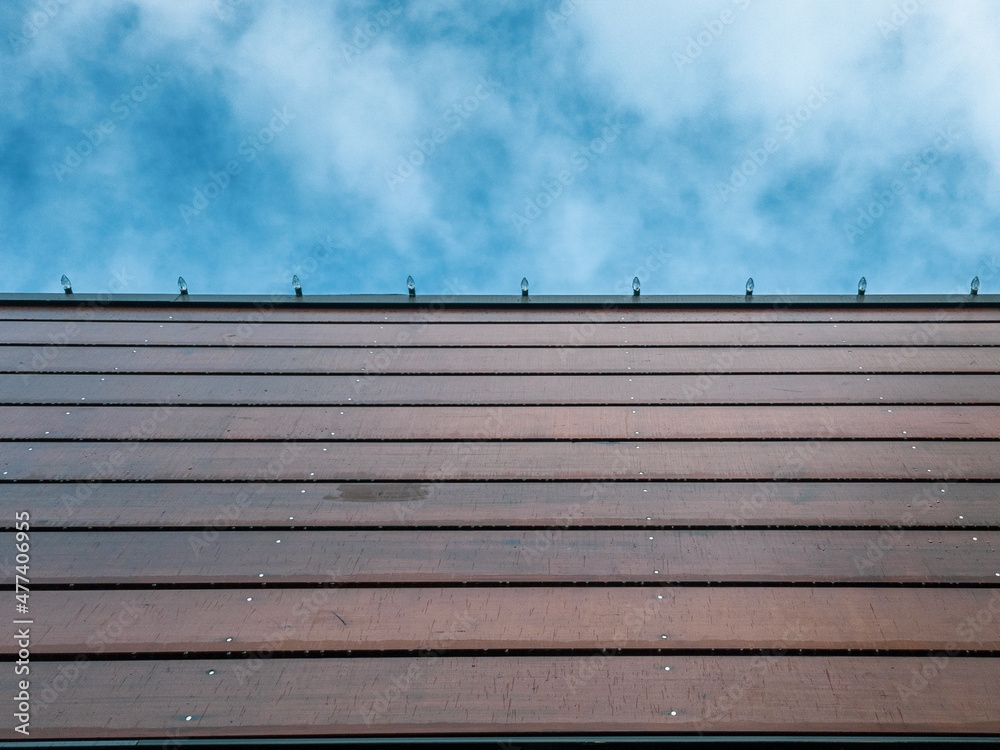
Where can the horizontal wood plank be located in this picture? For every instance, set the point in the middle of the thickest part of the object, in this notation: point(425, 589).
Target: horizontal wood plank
point(578, 555)
point(498, 389)
point(648, 617)
point(264, 315)
point(494, 360)
point(972, 333)
point(435, 695)
point(497, 423)
point(301, 482)
point(430, 462)
point(214, 505)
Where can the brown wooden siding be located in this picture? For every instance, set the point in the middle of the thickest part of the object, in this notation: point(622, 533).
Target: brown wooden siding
point(635, 390)
point(119, 360)
point(354, 522)
point(540, 505)
point(394, 334)
point(333, 423)
point(265, 313)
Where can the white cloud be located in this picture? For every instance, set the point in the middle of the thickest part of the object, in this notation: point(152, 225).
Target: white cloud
point(698, 88)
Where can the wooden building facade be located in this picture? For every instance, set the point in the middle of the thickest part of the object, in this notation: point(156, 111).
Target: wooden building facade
point(659, 518)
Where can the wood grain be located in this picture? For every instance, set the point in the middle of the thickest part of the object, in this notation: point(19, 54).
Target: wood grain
point(434, 695)
point(346, 390)
point(433, 462)
point(215, 505)
point(388, 334)
point(497, 423)
point(493, 360)
point(540, 556)
point(597, 314)
point(648, 617)
point(617, 314)
point(315, 482)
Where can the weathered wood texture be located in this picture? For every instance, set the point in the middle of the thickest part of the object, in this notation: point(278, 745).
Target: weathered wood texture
point(495, 360)
point(976, 333)
point(437, 695)
point(347, 390)
point(684, 485)
point(534, 556)
point(588, 618)
point(333, 423)
point(215, 505)
point(596, 315)
point(435, 462)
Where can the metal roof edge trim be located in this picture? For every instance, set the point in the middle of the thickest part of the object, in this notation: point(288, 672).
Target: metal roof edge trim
point(402, 301)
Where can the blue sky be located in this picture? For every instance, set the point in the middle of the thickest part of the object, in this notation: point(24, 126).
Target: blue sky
point(575, 142)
